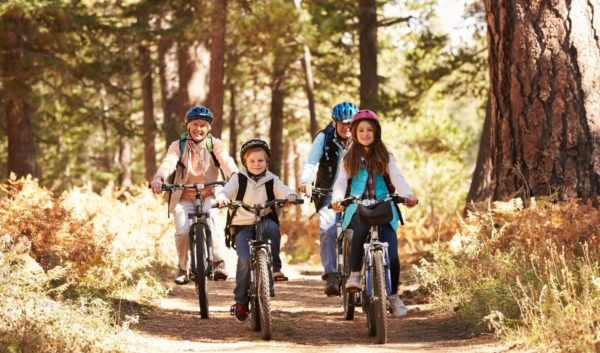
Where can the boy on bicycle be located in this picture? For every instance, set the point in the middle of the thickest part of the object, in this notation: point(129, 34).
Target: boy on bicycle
point(193, 162)
point(365, 168)
point(255, 156)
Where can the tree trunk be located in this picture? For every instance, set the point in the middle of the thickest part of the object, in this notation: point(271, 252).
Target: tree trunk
point(125, 163)
point(233, 152)
point(310, 92)
point(480, 189)
point(21, 143)
point(369, 82)
point(185, 70)
point(544, 98)
point(148, 108)
point(276, 130)
point(217, 65)
point(169, 83)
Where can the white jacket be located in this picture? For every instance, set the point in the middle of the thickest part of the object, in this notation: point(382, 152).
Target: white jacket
point(256, 193)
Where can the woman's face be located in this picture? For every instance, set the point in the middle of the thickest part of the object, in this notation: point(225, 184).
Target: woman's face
point(256, 161)
point(365, 133)
point(198, 129)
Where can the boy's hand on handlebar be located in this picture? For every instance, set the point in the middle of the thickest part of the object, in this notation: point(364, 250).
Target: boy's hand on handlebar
point(222, 200)
point(156, 186)
point(306, 189)
point(411, 201)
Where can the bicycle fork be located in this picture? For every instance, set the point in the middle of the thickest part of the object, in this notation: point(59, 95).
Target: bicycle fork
point(370, 248)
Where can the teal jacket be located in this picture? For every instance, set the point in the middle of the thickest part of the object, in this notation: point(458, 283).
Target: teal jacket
point(358, 186)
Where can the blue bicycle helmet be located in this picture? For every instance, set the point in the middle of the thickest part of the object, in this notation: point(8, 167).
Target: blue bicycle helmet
point(344, 111)
point(199, 112)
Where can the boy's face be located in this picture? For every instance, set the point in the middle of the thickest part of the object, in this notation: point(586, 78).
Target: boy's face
point(198, 129)
point(256, 161)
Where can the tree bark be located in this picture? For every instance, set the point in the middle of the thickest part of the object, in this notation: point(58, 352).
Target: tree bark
point(185, 70)
point(544, 98)
point(480, 189)
point(21, 142)
point(169, 83)
point(233, 151)
point(217, 65)
point(310, 91)
point(369, 82)
point(148, 108)
point(276, 130)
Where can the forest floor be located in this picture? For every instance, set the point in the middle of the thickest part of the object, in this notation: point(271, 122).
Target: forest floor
point(304, 320)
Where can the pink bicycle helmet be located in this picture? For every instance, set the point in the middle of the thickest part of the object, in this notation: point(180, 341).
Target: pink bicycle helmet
point(365, 114)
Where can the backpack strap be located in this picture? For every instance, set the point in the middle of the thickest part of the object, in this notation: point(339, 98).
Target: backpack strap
point(270, 197)
point(229, 228)
point(209, 147)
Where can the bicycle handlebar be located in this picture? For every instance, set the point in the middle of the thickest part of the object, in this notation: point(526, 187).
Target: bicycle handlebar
point(354, 199)
point(194, 186)
point(279, 202)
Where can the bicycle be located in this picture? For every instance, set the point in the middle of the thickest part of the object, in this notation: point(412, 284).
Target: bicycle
point(200, 242)
point(375, 272)
point(343, 241)
point(261, 287)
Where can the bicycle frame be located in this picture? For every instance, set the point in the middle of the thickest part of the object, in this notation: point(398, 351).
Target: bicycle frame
point(371, 246)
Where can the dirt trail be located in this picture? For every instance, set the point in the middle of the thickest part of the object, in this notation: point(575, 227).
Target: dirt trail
point(304, 320)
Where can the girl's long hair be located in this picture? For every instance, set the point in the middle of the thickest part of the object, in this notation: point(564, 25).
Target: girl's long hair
point(377, 156)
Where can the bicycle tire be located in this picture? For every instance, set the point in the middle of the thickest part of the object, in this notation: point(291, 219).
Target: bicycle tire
point(379, 307)
point(263, 294)
point(254, 314)
point(349, 298)
point(201, 281)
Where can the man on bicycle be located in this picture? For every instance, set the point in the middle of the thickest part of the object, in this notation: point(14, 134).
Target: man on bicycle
point(326, 152)
point(195, 158)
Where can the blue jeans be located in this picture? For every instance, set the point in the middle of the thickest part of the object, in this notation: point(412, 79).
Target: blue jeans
point(328, 240)
point(386, 234)
point(242, 274)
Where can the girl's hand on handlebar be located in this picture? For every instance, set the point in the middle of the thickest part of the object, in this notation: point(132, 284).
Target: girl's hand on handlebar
point(411, 201)
point(156, 186)
point(337, 206)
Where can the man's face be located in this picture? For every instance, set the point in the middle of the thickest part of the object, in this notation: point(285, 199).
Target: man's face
point(343, 130)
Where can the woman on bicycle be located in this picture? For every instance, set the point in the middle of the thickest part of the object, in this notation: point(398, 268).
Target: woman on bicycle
point(195, 158)
point(366, 169)
point(255, 156)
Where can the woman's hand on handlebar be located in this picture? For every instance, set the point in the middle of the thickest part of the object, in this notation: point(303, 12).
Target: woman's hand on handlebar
point(222, 200)
point(156, 186)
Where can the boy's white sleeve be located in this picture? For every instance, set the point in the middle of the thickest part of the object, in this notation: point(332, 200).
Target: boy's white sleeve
point(397, 179)
point(230, 189)
point(341, 183)
point(281, 190)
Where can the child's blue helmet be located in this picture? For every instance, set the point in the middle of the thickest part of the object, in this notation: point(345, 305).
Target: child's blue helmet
point(199, 112)
point(344, 111)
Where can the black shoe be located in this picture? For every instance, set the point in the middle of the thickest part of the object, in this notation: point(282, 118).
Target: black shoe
point(332, 285)
point(220, 273)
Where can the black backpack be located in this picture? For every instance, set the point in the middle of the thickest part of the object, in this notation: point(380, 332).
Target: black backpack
point(230, 230)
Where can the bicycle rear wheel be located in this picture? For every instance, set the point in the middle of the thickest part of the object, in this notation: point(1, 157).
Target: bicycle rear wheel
point(378, 301)
point(263, 294)
point(201, 281)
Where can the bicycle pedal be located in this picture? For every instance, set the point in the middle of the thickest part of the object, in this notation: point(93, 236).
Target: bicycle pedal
point(280, 279)
point(232, 310)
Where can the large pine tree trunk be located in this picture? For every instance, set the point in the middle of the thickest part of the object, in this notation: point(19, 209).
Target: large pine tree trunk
point(148, 108)
point(276, 130)
point(21, 143)
point(217, 64)
point(544, 97)
point(369, 82)
point(169, 83)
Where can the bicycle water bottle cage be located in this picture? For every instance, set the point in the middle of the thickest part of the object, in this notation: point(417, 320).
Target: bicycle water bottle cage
point(375, 214)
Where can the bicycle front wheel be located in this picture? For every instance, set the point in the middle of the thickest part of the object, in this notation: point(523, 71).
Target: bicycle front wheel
point(263, 294)
point(378, 301)
point(201, 265)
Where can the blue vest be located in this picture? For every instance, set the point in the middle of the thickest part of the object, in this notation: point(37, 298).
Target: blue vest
point(358, 186)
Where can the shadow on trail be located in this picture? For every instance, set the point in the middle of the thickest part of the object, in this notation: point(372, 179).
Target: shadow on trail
point(302, 315)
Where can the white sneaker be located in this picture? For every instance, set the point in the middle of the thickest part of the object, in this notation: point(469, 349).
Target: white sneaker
point(398, 307)
point(182, 277)
point(353, 282)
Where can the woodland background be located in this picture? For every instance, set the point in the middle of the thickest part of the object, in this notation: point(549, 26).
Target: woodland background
point(496, 124)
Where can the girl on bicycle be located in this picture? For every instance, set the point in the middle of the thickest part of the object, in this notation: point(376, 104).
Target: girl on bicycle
point(366, 169)
point(255, 156)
